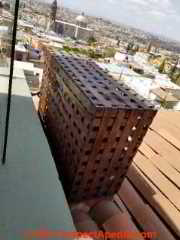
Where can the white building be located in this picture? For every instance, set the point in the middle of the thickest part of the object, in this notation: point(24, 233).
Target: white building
point(123, 57)
point(21, 53)
point(144, 86)
point(77, 30)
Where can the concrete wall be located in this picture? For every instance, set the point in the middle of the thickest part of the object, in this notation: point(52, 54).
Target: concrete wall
point(32, 197)
point(65, 29)
point(84, 34)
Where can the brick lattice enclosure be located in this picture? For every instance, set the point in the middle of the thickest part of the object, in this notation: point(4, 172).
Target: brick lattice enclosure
point(95, 125)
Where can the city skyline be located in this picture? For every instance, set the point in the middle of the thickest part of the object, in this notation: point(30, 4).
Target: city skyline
point(158, 17)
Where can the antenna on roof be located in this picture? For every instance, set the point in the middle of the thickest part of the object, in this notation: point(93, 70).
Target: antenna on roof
point(120, 77)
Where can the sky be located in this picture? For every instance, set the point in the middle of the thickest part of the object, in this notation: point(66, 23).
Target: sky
point(156, 16)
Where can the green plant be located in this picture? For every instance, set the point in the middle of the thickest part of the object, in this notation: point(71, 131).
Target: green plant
point(93, 54)
point(173, 70)
point(163, 103)
point(130, 46)
point(66, 48)
point(162, 66)
point(149, 47)
point(109, 52)
point(91, 40)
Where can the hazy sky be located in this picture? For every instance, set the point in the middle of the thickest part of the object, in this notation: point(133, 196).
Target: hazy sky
point(157, 16)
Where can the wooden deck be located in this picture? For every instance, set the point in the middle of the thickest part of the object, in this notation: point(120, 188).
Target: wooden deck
point(150, 194)
point(149, 198)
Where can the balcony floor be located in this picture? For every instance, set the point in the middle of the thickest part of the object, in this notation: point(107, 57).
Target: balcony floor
point(31, 196)
point(149, 198)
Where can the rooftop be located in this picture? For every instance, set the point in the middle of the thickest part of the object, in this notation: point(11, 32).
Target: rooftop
point(21, 48)
point(138, 82)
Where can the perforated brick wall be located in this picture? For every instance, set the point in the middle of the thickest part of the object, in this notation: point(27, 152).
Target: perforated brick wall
point(95, 124)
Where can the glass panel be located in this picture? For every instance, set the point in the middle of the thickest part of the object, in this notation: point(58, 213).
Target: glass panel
point(6, 33)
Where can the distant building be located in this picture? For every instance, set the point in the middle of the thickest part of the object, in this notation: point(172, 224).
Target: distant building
point(26, 26)
point(123, 57)
point(21, 53)
point(5, 38)
point(152, 48)
point(79, 30)
point(81, 21)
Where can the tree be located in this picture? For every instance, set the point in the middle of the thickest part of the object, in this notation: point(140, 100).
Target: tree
point(173, 70)
point(178, 79)
point(54, 10)
point(130, 46)
point(149, 47)
point(92, 54)
point(109, 52)
point(136, 48)
point(91, 40)
point(118, 41)
point(162, 66)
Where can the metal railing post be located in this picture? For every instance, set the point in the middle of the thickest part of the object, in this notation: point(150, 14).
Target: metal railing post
point(10, 80)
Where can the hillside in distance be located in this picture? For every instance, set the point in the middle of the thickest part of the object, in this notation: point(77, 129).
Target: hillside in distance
point(107, 28)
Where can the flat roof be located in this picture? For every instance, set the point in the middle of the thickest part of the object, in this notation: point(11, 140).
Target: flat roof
point(21, 48)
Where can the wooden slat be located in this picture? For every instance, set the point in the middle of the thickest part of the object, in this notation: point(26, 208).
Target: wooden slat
point(121, 223)
point(165, 186)
point(146, 150)
point(167, 123)
point(166, 169)
point(142, 212)
point(155, 198)
point(120, 204)
point(162, 147)
point(171, 117)
point(169, 137)
point(158, 124)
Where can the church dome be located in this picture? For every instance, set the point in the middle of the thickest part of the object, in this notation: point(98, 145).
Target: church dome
point(81, 19)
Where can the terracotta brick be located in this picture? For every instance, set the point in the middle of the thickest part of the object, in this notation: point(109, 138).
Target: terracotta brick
point(94, 124)
point(122, 223)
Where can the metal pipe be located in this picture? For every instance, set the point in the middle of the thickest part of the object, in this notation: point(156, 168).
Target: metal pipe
point(10, 81)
